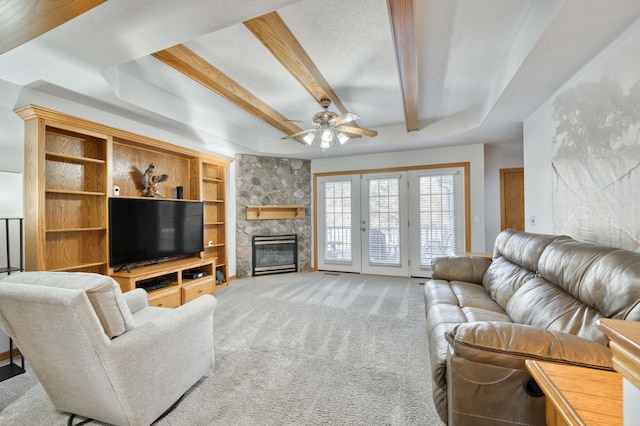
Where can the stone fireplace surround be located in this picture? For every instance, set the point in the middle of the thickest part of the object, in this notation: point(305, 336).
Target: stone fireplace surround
point(271, 181)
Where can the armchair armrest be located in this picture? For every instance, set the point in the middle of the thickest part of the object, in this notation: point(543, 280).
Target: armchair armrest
point(509, 345)
point(468, 269)
point(171, 351)
point(136, 299)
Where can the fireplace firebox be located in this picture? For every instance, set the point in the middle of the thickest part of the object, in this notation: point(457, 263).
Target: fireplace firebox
point(274, 254)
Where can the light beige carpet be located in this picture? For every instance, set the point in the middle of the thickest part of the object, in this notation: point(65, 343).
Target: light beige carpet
point(302, 349)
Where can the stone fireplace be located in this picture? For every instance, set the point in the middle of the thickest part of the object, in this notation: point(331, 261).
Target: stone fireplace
point(271, 181)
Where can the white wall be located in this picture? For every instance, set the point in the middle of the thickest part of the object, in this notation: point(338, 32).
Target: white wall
point(12, 134)
point(474, 154)
point(538, 173)
point(496, 158)
point(588, 203)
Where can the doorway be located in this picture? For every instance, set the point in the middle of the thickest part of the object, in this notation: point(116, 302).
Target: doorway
point(512, 199)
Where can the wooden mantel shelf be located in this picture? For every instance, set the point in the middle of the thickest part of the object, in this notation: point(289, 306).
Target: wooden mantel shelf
point(275, 212)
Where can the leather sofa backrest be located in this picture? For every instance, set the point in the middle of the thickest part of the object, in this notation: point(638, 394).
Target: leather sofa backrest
point(545, 305)
point(515, 261)
point(578, 284)
point(606, 279)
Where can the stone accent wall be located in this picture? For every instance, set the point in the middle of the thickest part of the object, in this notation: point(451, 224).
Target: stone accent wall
point(271, 181)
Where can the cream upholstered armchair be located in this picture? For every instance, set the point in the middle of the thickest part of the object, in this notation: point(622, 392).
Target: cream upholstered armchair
point(102, 354)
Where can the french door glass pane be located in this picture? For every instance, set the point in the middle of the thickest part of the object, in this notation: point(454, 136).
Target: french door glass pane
point(384, 221)
point(437, 216)
point(337, 221)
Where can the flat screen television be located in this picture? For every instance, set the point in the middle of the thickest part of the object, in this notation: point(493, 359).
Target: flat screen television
point(146, 230)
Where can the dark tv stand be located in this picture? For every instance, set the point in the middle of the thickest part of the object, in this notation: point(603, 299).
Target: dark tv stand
point(125, 267)
point(181, 288)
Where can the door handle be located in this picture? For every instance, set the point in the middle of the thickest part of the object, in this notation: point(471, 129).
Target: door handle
point(363, 229)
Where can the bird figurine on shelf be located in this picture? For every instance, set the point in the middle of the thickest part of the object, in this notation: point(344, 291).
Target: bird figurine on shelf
point(150, 182)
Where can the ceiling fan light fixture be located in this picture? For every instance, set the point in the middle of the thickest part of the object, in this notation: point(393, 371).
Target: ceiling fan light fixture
point(326, 144)
point(342, 138)
point(309, 137)
point(330, 128)
point(327, 135)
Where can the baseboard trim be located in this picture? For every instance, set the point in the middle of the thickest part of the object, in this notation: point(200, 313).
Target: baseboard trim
point(6, 355)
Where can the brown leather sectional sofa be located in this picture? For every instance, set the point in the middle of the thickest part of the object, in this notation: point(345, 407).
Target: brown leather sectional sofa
point(540, 298)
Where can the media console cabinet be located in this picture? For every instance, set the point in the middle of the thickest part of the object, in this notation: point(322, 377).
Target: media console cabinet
point(181, 287)
point(72, 167)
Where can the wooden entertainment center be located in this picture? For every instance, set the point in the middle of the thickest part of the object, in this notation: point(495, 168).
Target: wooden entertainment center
point(181, 288)
point(72, 166)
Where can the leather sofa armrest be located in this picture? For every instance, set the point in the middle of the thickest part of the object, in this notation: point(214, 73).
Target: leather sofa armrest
point(510, 344)
point(468, 269)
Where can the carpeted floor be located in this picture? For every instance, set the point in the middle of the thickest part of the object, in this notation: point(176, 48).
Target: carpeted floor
point(301, 349)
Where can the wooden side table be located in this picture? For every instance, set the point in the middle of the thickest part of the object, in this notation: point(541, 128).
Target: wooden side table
point(481, 254)
point(579, 395)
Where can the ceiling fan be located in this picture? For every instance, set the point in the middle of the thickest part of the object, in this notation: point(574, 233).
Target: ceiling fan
point(329, 127)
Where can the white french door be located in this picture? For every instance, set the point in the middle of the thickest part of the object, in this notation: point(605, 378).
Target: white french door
point(384, 224)
point(390, 223)
point(437, 215)
point(338, 223)
point(362, 224)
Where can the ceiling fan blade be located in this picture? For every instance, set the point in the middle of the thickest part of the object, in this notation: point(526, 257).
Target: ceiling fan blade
point(357, 131)
point(300, 121)
point(344, 118)
point(302, 133)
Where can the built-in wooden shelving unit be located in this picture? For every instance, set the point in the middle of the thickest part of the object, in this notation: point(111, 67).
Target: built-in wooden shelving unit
point(71, 168)
point(275, 212)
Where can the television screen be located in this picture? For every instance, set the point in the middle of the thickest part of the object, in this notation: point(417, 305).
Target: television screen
point(143, 230)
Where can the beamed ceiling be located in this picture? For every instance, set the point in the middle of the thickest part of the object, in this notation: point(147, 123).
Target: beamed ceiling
point(237, 76)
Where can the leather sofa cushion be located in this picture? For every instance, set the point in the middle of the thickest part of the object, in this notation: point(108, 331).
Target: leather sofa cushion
point(454, 302)
point(545, 305)
point(515, 261)
point(458, 293)
point(510, 344)
point(503, 278)
point(468, 269)
point(523, 248)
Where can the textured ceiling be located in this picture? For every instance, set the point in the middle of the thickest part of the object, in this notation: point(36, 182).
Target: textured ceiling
point(483, 66)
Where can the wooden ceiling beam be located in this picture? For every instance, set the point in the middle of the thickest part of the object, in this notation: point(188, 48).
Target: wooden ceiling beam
point(21, 21)
point(190, 64)
point(274, 34)
point(401, 14)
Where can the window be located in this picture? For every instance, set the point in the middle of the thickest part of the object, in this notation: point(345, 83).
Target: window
point(438, 215)
point(337, 220)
